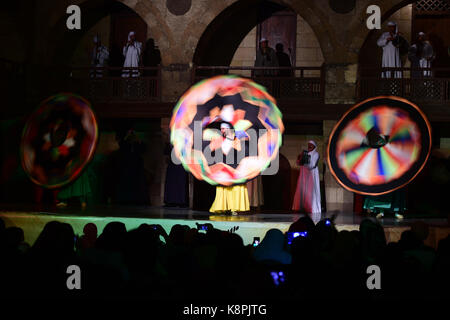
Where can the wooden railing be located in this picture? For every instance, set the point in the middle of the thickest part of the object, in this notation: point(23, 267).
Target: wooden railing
point(284, 83)
point(32, 83)
point(111, 84)
point(424, 85)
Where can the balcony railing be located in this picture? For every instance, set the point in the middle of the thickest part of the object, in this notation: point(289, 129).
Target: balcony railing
point(422, 85)
point(284, 83)
point(112, 84)
point(32, 83)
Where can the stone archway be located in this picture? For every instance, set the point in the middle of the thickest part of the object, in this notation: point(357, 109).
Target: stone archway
point(363, 35)
point(63, 42)
point(222, 36)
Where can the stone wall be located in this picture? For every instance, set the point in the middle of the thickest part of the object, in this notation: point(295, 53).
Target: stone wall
point(337, 198)
point(308, 51)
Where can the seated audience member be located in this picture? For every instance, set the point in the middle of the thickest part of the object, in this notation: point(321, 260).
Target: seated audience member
point(271, 248)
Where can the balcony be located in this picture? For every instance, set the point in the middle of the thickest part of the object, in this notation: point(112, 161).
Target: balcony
point(424, 86)
point(299, 91)
point(111, 85)
point(301, 84)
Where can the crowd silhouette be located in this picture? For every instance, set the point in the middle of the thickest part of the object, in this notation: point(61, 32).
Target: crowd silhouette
point(189, 264)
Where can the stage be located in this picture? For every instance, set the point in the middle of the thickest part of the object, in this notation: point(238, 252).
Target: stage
point(33, 219)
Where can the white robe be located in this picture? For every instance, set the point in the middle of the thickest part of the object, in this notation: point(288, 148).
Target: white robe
point(391, 56)
point(307, 194)
point(99, 57)
point(428, 55)
point(425, 59)
point(132, 55)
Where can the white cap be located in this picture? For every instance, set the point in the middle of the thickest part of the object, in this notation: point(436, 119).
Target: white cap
point(391, 24)
point(262, 40)
point(224, 125)
point(313, 143)
point(421, 33)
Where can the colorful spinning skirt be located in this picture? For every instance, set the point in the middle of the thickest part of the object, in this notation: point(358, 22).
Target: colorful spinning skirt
point(233, 198)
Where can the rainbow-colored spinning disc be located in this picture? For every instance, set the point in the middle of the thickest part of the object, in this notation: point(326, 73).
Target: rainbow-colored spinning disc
point(211, 155)
point(379, 145)
point(58, 140)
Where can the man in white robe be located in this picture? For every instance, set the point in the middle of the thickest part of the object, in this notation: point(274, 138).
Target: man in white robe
point(265, 57)
point(132, 53)
point(307, 194)
point(391, 52)
point(99, 58)
point(421, 54)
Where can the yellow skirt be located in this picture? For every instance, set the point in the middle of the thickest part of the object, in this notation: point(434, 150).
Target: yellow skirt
point(233, 198)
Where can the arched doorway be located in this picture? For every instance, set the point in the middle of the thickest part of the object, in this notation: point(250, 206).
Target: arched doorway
point(412, 17)
point(110, 19)
point(223, 35)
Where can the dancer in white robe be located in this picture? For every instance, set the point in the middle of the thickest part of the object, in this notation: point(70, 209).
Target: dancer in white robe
point(391, 52)
point(132, 52)
point(307, 194)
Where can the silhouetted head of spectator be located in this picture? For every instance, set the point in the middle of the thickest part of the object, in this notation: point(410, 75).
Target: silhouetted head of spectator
point(112, 237)
point(346, 250)
point(177, 234)
point(303, 224)
point(11, 238)
point(302, 250)
point(48, 239)
point(444, 246)
point(235, 240)
point(56, 238)
point(90, 231)
point(140, 248)
point(271, 248)
point(421, 230)
point(67, 238)
point(279, 47)
point(89, 236)
point(409, 241)
point(324, 235)
point(373, 240)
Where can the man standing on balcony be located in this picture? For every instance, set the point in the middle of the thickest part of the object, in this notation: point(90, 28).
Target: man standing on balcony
point(284, 60)
point(390, 42)
point(132, 53)
point(421, 54)
point(100, 55)
point(265, 57)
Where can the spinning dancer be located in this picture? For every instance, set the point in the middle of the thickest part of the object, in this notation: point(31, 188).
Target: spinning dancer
point(234, 198)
